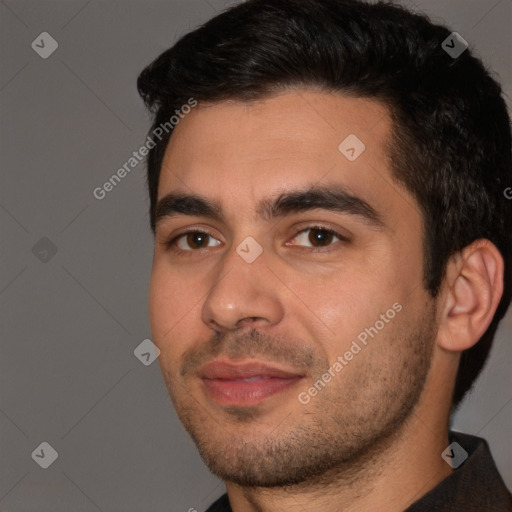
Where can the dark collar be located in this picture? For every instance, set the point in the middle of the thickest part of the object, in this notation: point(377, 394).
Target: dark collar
point(475, 486)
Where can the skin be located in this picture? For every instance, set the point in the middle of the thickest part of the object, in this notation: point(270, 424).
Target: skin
point(371, 439)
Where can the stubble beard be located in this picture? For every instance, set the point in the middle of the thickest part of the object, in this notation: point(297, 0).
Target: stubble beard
point(339, 432)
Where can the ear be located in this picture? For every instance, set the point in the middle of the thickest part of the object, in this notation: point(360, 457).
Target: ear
point(473, 288)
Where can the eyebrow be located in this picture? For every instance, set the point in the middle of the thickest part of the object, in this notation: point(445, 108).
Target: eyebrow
point(332, 197)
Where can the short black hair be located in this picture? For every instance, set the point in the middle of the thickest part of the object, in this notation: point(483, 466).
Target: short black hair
point(451, 140)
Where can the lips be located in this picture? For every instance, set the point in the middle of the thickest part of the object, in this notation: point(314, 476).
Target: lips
point(229, 371)
point(245, 384)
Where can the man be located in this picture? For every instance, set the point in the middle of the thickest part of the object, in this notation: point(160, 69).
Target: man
point(332, 253)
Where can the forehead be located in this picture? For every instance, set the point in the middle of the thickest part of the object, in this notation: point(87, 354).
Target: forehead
point(240, 152)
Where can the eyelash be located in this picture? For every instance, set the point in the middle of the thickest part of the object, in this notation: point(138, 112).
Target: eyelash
point(171, 244)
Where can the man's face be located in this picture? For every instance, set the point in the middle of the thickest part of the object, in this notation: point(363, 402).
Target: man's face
point(287, 350)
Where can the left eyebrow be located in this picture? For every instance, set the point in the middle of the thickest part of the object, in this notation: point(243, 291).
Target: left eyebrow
point(333, 197)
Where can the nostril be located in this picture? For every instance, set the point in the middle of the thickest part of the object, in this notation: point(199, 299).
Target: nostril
point(248, 320)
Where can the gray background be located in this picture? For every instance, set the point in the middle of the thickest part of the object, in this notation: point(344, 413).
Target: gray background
point(68, 375)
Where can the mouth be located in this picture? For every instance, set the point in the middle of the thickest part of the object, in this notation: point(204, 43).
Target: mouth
point(246, 384)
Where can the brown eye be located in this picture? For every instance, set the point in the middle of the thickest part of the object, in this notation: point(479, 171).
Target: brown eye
point(196, 240)
point(318, 237)
point(193, 241)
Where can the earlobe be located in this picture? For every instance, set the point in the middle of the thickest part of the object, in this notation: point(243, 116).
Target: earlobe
point(473, 288)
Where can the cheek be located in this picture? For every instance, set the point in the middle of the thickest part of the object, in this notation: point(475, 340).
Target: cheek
point(343, 301)
point(165, 311)
point(341, 306)
point(161, 303)
point(171, 299)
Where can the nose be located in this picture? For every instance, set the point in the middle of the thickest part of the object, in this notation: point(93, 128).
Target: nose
point(242, 294)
